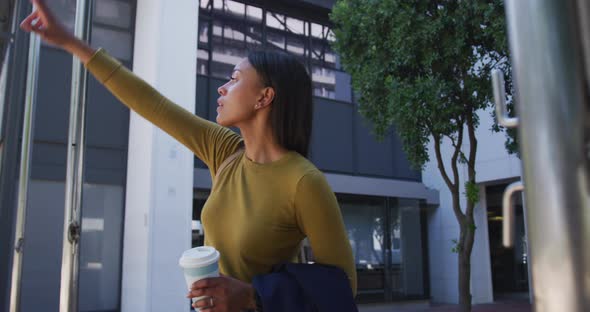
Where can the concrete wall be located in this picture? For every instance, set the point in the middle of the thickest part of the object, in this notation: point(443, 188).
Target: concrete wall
point(493, 163)
point(159, 176)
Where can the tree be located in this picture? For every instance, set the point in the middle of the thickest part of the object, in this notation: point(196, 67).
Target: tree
point(424, 67)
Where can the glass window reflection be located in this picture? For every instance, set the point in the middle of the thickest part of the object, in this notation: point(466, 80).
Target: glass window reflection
point(224, 59)
point(234, 8)
point(202, 61)
point(254, 13)
point(275, 20)
point(100, 247)
point(118, 43)
point(296, 26)
point(237, 25)
point(364, 218)
point(296, 45)
point(114, 13)
point(253, 37)
point(275, 39)
point(203, 32)
point(234, 35)
point(3, 78)
point(386, 239)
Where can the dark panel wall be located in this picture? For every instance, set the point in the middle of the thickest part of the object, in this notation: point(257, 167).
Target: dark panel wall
point(202, 95)
point(342, 141)
point(374, 157)
point(323, 3)
point(332, 143)
point(401, 165)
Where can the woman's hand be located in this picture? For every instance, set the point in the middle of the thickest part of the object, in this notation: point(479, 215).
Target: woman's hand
point(227, 295)
point(44, 23)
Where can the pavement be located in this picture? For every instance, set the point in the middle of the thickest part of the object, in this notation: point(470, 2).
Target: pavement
point(505, 305)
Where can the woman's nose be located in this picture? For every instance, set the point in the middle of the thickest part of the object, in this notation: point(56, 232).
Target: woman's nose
point(221, 90)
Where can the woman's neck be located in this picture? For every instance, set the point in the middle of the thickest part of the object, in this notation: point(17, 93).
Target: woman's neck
point(261, 145)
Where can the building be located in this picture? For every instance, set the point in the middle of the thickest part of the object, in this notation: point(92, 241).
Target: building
point(497, 272)
point(141, 187)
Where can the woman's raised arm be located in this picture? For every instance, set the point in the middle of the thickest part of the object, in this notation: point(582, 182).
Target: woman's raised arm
point(208, 141)
point(42, 22)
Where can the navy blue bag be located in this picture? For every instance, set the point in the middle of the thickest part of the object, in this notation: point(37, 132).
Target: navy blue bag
point(298, 287)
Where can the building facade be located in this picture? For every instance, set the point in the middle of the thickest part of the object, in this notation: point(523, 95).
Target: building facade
point(143, 191)
point(497, 272)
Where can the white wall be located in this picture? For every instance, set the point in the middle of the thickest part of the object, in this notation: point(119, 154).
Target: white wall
point(159, 177)
point(492, 163)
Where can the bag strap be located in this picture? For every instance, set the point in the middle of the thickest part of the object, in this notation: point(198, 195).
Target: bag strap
point(224, 164)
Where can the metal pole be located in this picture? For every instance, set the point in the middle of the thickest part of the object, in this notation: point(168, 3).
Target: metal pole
point(548, 65)
point(68, 301)
point(25, 164)
point(584, 17)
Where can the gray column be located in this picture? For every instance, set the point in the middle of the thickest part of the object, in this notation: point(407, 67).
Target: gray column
point(552, 105)
point(159, 191)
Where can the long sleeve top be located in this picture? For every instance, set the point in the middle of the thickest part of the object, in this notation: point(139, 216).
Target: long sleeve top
point(257, 214)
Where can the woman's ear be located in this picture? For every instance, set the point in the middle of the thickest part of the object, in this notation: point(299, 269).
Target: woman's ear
point(266, 98)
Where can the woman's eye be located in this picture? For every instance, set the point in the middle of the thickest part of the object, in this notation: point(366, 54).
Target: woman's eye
point(231, 78)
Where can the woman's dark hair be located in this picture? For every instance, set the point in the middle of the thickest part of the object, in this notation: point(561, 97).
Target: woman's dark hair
point(292, 109)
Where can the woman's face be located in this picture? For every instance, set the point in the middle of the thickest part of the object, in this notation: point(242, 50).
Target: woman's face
point(239, 96)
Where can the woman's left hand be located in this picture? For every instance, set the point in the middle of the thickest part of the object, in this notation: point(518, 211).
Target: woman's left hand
point(227, 294)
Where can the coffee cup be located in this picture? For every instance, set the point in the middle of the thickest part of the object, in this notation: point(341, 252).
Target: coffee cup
point(199, 263)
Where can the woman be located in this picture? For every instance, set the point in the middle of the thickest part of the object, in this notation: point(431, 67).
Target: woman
point(269, 197)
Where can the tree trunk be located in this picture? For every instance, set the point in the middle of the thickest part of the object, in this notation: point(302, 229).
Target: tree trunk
point(465, 220)
point(467, 235)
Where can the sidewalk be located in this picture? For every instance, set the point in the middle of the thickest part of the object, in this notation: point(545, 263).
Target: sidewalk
point(501, 306)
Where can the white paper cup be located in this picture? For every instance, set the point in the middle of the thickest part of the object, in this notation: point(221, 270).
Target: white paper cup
point(198, 263)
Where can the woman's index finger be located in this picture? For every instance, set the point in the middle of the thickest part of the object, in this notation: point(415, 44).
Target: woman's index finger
point(26, 24)
point(42, 9)
point(206, 283)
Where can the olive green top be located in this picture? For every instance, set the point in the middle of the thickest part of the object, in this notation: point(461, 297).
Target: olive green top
point(257, 214)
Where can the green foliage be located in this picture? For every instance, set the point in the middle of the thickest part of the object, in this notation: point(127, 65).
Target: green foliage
point(471, 227)
point(423, 66)
point(455, 248)
point(471, 192)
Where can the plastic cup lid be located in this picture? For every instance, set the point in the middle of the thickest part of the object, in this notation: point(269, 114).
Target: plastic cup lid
point(199, 256)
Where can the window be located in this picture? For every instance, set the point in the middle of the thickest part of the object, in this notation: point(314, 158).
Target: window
point(66, 14)
point(118, 43)
point(238, 28)
point(113, 13)
point(202, 61)
point(253, 13)
point(101, 243)
point(203, 32)
point(387, 242)
point(276, 21)
point(3, 79)
point(234, 8)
